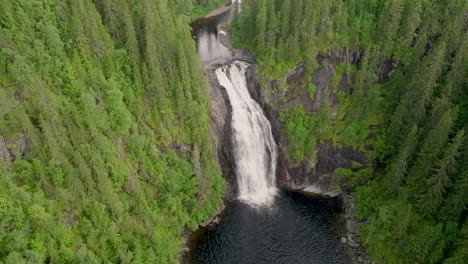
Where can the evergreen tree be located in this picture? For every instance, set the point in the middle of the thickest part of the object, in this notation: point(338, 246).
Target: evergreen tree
point(441, 178)
point(397, 169)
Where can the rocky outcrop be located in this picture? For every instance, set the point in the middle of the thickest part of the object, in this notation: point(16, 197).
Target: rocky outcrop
point(220, 125)
point(312, 175)
point(4, 152)
point(350, 240)
point(13, 148)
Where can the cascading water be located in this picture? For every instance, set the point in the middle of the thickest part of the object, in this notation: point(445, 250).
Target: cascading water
point(254, 147)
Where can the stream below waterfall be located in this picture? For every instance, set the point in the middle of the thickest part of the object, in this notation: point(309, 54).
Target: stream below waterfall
point(264, 224)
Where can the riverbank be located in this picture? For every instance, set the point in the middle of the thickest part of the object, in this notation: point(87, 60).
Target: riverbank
point(206, 13)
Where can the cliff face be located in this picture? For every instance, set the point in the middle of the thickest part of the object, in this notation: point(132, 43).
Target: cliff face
point(220, 125)
point(221, 115)
point(311, 175)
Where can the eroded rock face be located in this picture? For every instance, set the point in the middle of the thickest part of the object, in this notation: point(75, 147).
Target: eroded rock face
point(312, 175)
point(221, 113)
point(13, 148)
point(220, 125)
point(4, 152)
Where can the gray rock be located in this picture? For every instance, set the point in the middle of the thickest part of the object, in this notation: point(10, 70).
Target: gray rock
point(21, 144)
point(4, 152)
point(353, 244)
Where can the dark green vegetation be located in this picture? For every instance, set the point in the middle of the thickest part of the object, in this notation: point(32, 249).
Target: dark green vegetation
point(105, 152)
point(197, 8)
point(414, 193)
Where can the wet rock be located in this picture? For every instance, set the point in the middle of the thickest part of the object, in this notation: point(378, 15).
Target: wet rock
point(296, 76)
point(344, 240)
point(353, 244)
point(321, 79)
point(181, 149)
point(21, 144)
point(220, 125)
point(341, 55)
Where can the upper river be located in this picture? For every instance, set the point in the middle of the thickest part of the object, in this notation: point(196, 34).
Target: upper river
point(265, 224)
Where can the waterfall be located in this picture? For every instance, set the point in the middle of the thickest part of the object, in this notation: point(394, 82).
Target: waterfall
point(255, 150)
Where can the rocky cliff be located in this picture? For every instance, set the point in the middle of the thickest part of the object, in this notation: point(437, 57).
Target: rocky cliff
point(311, 175)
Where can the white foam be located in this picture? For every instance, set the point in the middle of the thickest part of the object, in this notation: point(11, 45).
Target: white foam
point(255, 149)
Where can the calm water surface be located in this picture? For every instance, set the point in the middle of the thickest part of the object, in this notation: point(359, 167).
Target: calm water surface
point(296, 230)
point(206, 34)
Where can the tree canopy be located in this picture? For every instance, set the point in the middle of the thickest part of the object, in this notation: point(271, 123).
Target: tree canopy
point(106, 152)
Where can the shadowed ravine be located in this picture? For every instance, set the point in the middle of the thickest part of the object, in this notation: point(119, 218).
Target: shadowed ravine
point(263, 225)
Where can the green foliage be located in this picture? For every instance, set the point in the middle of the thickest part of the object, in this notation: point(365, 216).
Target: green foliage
point(340, 70)
point(94, 97)
point(298, 126)
point(202, 7)
point(311, 89)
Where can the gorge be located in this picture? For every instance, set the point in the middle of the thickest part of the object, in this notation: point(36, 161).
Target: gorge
point(263, 224)
point(293, 131)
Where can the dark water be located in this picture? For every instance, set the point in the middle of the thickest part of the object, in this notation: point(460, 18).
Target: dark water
point(297, 230)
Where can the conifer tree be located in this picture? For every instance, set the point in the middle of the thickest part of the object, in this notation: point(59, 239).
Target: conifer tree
point(398, 167)
point(426, 158)
point(441, 178)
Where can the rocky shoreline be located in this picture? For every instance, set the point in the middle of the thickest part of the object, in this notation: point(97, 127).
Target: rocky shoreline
point(350, 239)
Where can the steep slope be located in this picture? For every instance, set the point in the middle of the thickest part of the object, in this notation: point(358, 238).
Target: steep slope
point(105, 152)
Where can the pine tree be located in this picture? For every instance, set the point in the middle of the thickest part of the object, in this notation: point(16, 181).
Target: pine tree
point(411, 19)
point(457, 198)
point(286, 16)
point(437, 183)
point(262, 20)
point(389, 24)
point(418, 92)
point(426, 158)
point(397, 169)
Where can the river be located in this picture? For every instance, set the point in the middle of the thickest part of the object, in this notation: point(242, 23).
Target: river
point(264, 224)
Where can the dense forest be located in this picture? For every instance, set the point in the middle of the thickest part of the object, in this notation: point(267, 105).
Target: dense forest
point(410, 121)
point(105, 152)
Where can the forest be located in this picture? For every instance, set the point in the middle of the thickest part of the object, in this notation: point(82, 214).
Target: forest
point(105, 152)
point(410, 122)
